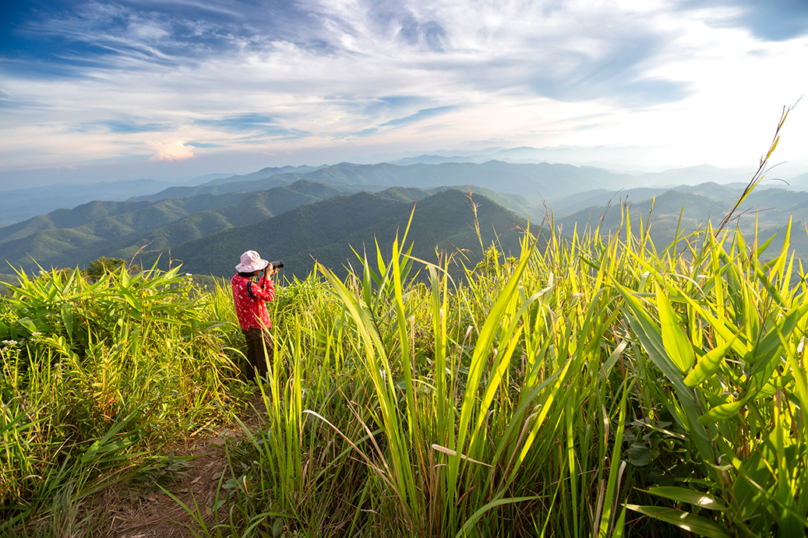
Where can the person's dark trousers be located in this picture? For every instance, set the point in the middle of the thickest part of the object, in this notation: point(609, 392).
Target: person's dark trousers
point(256, 363)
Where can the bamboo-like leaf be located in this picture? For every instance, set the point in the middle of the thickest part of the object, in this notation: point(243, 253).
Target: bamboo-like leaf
point(708, 364)
point(67, 318)
point(650, 335)
point(28, 324)
point(679, 348)
point(472, 521)
point(106, 444)
point(684, 520)
point(725, 411)
point(607, 366)
point(617, 450)
point(684, 495)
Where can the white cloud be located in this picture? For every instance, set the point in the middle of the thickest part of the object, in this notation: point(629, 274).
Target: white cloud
point(674, 84)
point(172, 151)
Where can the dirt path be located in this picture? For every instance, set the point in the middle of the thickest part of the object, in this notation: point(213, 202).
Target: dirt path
point(145, 512)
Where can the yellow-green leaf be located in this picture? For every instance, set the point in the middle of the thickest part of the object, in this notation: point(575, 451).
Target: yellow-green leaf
point(678, 347)
point(725, 411)
point(685, 495)
point(684, 520)
point(708, 364)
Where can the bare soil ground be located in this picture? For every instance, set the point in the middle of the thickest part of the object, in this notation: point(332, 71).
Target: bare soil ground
point(143, 511)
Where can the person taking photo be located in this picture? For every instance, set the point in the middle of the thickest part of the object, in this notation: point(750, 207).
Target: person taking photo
point(250, 300)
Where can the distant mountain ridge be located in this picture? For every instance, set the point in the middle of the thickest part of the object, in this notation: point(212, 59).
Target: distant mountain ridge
point(497, 169)
point(256, 181)
point(263, 173)
point(21, 204)
point(178, 215)
point(121, 229)
point(549, 181)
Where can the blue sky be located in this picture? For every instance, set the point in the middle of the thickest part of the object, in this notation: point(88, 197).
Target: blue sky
point(148, 88)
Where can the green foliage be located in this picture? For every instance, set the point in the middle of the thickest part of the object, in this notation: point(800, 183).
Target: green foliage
point(104, 265)
point(509, 402)
point(97, 375)
point(491, 262)
point(518, 403)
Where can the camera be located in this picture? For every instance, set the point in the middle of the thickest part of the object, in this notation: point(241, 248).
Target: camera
point(277, 264)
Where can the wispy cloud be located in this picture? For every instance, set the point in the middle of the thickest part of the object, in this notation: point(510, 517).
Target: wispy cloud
point(418, 116)
point(136, 76)
point(257, 125)
point(773, 20)
point(128, 127)
point(203, 145)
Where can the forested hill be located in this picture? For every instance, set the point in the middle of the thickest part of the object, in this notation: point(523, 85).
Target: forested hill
point(326, 231)
point(251, 208)
point(66, 238)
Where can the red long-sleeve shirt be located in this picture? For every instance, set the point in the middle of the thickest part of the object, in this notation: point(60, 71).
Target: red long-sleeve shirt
point(252, 313)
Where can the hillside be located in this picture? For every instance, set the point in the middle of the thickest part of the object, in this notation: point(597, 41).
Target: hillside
point(327, 230)
point(529, 208)
point(21, 204)
point(124, 227)
point(252, 208)
point(121, 229)
point(122, 211)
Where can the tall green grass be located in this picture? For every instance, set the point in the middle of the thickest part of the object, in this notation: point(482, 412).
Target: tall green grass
point(97, 377)
point(597, 387)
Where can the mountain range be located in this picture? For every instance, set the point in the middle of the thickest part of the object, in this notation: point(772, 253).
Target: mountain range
point(547, 181)
point(319, 211)
point(66, 238)
point(21, 204)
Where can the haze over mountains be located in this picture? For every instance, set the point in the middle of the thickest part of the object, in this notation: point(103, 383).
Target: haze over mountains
point(302, 213)
point(24, 203)
point(549, 181)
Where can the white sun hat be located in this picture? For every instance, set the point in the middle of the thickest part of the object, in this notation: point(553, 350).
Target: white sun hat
point(251, 262)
